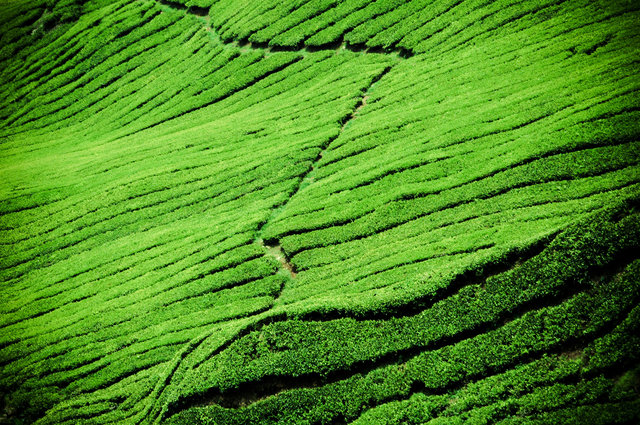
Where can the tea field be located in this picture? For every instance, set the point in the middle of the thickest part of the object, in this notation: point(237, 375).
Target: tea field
point(319, 212)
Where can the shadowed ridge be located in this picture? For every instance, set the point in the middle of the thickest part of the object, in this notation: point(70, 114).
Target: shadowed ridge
point(203, 12)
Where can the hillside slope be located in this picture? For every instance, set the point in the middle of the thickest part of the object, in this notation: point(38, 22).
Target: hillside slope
point(319, 212)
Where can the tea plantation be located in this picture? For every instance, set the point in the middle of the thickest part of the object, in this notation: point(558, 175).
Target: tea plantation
point(311, 212)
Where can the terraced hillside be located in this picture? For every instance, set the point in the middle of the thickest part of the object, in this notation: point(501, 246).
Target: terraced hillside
point(320, 212)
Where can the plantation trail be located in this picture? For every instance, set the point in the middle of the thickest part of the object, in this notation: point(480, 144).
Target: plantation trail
point(273, 247)
point(276, 252)
point(203, 13)
point(268, 388)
